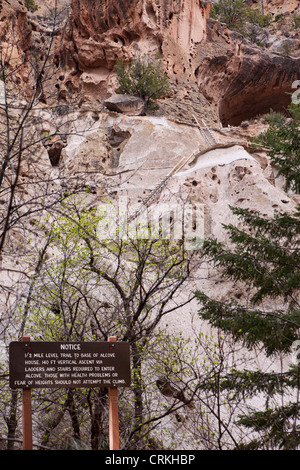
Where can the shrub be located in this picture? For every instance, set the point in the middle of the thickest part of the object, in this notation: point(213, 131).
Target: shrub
point(255, 17)
point(279, 17)
point(274, 117)
point(296, 19)
point(142, 78)
point(231, 12)
point(31, 5)
point(235, 13)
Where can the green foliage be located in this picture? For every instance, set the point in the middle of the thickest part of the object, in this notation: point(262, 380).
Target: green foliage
point(273, 117)
point(283, 144)
point(275, 425)
point(264, 258)
point(31, 5)
point(142, 78)
point(265, 255)
point(235, 13)
point(296, 19)
point(294, 109)
point(255, 17)
point(99, 284)
point(250, 383)
point(274, 330)
point(286, 48)
point(231, 12)
point(279, 17)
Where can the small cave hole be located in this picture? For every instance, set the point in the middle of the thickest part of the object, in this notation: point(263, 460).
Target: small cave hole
point(118, 39)
point(117, 136)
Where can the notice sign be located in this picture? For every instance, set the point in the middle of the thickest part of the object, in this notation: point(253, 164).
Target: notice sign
point(39, 364)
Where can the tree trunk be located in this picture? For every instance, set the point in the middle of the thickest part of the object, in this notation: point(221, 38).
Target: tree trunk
point(97, 432)
point(73, 414)
point(12, 420)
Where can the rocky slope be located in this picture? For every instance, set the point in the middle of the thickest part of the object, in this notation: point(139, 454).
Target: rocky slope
point(228, 77)
point(215, 73)
point(246, 83)
point(216, 76)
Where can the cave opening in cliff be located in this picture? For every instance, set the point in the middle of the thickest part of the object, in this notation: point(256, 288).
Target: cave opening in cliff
point(250, 104)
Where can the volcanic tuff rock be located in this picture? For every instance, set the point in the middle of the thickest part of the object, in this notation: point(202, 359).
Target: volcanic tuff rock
point(112, 28)
point(14, 12)
point(216, 75)
point(99, 33)
point(131, 105)
point(15, 33)
point(247, 82)
point(214, 72)
point(144, 150)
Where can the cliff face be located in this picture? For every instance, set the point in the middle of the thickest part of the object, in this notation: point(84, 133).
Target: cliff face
point(212, 68)
point(110, 29)
point(238, 79)
point(100, 32)
point(247, 82)
point(243, 80)
point(215, 75)
point(14, 28)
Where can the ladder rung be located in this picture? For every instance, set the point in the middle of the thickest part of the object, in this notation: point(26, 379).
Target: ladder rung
point(208, 136)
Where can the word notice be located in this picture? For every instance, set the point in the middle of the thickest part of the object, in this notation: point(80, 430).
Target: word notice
point(39, 364)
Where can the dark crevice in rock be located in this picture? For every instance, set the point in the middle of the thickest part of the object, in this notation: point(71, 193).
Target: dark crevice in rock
point(233, 110)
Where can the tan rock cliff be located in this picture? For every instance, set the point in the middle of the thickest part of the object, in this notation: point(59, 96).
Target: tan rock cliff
point(215, 72)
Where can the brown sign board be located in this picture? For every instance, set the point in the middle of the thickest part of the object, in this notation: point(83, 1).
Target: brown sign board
point(39, 364)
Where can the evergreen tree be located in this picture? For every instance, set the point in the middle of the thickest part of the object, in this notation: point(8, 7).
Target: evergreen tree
point(265, 256)
point(236, 13)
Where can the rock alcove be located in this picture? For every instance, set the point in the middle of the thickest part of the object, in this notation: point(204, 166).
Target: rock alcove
point(247, 83)
point(251, 103)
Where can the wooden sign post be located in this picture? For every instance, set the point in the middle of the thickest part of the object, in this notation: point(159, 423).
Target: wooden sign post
point(114, 443)
point(27, 413)
point(39, 364)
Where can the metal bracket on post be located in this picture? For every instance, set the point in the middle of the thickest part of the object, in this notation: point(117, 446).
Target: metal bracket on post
point(114, 440)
